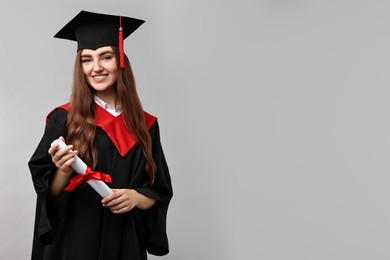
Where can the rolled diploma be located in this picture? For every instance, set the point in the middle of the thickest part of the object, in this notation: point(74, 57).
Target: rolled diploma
point(80, 167)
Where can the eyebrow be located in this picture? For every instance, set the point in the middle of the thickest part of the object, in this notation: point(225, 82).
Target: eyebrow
point(100, 54)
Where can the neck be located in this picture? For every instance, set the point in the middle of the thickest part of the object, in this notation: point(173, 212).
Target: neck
point(109, 98)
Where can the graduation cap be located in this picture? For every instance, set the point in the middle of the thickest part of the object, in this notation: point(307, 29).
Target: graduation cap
point(94, 30)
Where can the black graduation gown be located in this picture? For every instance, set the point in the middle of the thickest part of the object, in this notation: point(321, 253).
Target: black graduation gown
point(76, 226)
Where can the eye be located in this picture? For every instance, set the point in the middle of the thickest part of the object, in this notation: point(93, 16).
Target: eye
point(86, 60)
point(107, 57)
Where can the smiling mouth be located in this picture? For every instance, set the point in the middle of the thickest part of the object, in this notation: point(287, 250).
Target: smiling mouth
point(99, 76)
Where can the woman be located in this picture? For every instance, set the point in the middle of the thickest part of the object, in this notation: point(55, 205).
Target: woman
point(105, 126)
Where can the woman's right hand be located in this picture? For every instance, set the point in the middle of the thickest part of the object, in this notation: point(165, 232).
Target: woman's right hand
point(63, 158)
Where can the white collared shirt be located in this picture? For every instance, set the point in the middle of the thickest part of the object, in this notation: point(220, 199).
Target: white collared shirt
point(115, 111)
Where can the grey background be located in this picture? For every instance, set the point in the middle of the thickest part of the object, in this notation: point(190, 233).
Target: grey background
point(274, 120)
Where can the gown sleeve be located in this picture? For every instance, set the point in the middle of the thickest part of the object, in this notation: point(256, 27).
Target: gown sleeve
point(154, 220)
point(48, 214)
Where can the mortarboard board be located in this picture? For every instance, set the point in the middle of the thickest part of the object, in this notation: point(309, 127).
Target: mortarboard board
point(94, 30)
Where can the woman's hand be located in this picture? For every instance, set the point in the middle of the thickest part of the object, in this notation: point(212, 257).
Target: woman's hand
point(124, 200)
point(63, 158)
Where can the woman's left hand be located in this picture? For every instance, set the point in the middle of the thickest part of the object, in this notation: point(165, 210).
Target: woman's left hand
point(121, 201)
point(124, 200)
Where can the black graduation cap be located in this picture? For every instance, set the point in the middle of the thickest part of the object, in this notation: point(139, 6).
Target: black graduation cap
point(94, 30)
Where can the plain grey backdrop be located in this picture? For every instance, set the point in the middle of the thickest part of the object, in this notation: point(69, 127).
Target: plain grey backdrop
point(274, 118)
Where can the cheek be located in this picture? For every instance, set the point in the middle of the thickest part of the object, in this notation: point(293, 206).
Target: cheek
point(113, 67)
point(86, 69)
point(114, 71)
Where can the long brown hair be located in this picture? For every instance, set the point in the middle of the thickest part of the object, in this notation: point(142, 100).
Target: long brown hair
point(81, 126)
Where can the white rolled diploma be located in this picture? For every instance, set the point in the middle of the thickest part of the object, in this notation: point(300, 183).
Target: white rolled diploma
point(80, 167)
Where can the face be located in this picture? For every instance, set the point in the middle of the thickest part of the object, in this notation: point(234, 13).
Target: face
point(100, 69)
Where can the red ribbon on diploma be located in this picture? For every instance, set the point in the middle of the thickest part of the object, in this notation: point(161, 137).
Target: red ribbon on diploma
point(89, 175)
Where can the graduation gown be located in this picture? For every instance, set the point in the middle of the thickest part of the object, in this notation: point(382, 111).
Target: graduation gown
point(76, 226)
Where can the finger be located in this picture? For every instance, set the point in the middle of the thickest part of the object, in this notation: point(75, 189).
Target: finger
point(61, 152)
point(121, 211)
point(64, 150)
point(53, 148)
point(60, 159)
point(116, 194)
point(112, 203)
point(65, 160)
point(69, 162)
point(68, 156)
point(119, 192)
point(118, 206)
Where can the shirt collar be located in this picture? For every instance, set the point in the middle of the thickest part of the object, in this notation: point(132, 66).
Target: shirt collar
point(113, 111)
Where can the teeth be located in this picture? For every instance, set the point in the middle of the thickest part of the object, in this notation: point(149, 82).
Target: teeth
point(99, 77)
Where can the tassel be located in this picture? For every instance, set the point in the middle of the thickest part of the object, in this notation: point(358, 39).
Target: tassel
point(121, 50)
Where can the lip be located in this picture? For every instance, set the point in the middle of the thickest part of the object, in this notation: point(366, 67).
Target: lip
point(100, 77)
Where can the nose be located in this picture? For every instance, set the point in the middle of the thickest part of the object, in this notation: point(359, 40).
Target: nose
point(97, 66)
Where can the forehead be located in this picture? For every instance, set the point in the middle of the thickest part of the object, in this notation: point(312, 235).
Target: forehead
point(98, 51)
